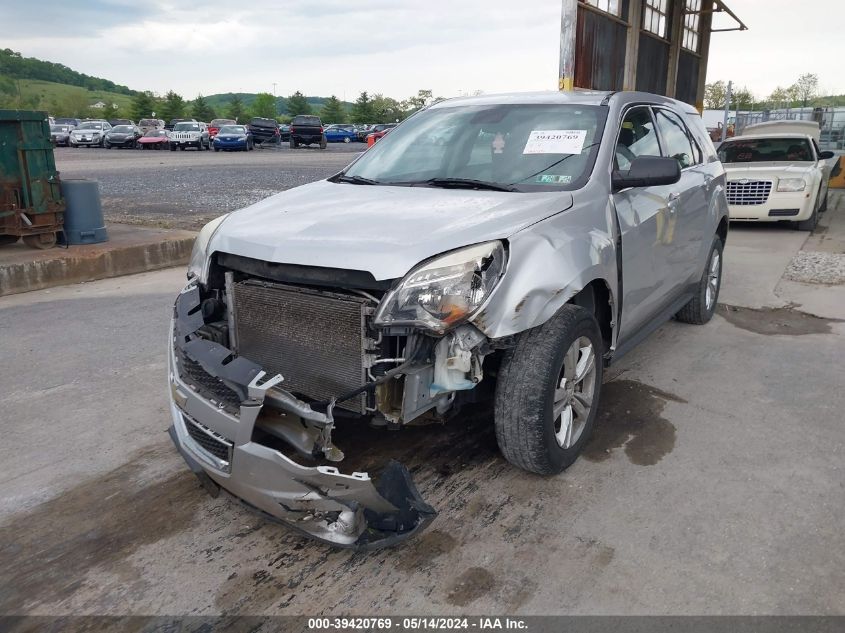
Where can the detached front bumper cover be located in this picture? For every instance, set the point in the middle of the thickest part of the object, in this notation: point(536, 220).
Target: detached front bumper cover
point(320, 502)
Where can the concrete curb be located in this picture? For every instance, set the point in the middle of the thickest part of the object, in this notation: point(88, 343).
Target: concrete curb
point(68, 268)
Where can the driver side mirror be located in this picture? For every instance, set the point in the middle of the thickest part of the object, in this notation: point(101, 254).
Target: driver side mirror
point(826, 155)
point(647, 171)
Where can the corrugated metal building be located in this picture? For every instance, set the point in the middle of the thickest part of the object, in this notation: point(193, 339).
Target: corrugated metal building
point(658, 46)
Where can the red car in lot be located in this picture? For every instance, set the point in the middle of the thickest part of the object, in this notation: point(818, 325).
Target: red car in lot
point(379, 131)
point(155, 139)
point(216, 124)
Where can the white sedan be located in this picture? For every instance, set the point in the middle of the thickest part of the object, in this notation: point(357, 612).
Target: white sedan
point(776, 172)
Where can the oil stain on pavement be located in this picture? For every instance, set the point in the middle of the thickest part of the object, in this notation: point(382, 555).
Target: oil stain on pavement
point(46, 552)
point(772, 321)
point(630, 418)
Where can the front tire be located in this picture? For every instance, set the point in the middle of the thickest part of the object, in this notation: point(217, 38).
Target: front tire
point(810, 223)
point(701, 307)
point(547, 392)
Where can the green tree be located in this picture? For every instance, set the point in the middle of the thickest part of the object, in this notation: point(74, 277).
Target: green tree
point(173, 107)
point(806, 88)
point(387, 109)
point(333, 111)
point(742, 99)
point(201, 111)
point(264, 106)
point(714, 95)
point(362, 109)
point(297, 104)
point(236, 108)
point(143, 106)
point(419, 101)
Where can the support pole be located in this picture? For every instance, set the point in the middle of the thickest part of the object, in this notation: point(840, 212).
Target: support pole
point(704, 25)
point(632, 44)
point(727, 111)
point(568, 28)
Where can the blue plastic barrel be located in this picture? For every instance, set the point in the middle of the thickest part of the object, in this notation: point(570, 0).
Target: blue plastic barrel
point(84, 223)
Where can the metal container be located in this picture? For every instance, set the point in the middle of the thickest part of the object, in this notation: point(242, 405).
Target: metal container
point(31, 204)
point(84, 223)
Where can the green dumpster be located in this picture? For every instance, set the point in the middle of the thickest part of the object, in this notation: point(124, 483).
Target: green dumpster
point(31, 204)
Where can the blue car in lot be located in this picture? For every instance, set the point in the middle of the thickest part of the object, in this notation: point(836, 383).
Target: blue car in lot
point(234, 137)
point(340, 134)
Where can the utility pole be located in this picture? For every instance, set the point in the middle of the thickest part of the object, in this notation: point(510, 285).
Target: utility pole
point(727, 111)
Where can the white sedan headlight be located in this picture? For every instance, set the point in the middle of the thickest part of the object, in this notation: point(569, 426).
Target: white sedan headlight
point(791, 184)
point(445, 291)
point(198, 266)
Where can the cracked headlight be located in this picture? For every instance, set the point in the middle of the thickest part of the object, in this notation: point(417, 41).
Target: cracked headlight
point(198, 266)
point(445, 291)
point(791, 184)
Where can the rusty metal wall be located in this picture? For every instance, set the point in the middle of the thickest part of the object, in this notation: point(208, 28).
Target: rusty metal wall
point(652, 64)
point(600, 53)
point(686, 87)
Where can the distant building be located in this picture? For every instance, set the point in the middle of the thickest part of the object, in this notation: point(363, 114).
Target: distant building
point(99, 105)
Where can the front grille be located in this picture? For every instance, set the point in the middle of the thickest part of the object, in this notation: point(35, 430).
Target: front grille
point(209, 441)
point(209, 387)
point(315, 339)
point(749, 192)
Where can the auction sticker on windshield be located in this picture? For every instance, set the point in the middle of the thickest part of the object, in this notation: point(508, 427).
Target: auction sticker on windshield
point(555, 142)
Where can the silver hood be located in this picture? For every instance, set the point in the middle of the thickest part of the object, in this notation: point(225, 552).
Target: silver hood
point(380, 229)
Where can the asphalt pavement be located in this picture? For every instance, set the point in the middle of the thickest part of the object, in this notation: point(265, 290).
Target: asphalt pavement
point(713, 484)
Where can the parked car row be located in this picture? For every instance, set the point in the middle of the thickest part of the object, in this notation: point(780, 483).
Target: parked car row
point(189, 133)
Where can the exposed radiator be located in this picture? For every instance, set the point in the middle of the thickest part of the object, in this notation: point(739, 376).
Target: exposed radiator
point(746, 193)
point(315, 339)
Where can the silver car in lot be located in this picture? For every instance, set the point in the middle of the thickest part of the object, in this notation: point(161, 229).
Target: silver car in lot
point(541, 237)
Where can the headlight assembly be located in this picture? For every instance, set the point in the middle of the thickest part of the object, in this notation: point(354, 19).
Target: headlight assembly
point(445, 291)
point(791, 184)
point(198, 266)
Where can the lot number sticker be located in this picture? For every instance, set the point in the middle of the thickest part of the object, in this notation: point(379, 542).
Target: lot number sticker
point(555, 142)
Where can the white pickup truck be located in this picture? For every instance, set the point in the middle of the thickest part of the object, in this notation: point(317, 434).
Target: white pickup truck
point(777, 172)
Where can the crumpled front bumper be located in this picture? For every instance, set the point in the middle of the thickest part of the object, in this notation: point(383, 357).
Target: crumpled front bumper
point(321, 502)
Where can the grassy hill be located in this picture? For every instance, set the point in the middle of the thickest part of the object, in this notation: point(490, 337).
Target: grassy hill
point(59, 99)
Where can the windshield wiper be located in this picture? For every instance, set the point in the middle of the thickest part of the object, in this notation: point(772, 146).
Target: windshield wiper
point(464, 183)
point(356, 180)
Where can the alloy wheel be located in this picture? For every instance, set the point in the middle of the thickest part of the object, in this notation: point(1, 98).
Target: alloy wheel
point(573, 398)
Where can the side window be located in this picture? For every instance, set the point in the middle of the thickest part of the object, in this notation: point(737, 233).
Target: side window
point(636, 138)
point(675, 138)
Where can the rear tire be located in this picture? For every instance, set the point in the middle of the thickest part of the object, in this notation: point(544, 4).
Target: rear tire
point(551, 365)
point(292, 144)
point(701, 307)
point(323, 143)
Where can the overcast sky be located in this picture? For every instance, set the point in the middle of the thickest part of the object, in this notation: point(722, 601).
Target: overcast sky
point(395, 47)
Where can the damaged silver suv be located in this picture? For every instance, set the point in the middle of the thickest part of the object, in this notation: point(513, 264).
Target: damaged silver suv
point(497, 248)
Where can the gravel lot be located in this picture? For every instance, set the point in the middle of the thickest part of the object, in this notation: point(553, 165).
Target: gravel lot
point(186, 189)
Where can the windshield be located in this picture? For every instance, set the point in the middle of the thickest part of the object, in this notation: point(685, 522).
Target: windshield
point(59, 128)
point(305, 120)
point(156, 133)
point(122, 129)
point(219, 122)
point(764, 150)
point(148, 122)
point(548, 147)
point(232, 129)
point(90, 126)
point(186, 127)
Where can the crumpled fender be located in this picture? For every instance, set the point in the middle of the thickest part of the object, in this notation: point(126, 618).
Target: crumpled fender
point(549, 263)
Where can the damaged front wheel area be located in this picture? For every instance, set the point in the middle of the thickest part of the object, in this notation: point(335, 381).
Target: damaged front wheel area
point(548, 388)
